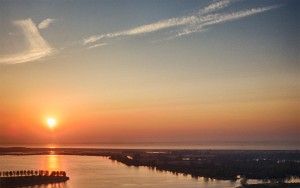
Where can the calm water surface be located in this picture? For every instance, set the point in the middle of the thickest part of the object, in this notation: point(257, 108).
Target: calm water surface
point(94, 172)
point(204, 145)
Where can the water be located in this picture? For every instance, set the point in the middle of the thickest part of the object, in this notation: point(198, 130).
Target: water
point(94, 172)
point(204, 145)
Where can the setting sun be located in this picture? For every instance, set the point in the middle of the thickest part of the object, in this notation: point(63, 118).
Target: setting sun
point(51, 122)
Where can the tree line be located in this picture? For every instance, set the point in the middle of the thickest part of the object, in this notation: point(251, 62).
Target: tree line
point(32, 173)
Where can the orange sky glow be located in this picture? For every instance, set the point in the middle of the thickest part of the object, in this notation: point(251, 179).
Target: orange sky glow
point(158, 72)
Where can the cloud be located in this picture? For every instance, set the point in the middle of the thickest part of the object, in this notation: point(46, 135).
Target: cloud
point(97, 45)
point(185, 25)
point(215, 6)
point(45, 23)
point(37, 46)
point(221, 18)
point(143, 29)
point(163, 24)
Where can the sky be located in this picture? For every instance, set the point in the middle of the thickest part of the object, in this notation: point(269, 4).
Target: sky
point(149, 71)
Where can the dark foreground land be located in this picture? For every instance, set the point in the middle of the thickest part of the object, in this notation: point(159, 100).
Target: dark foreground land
point(277, 166)
point(21, 181)
point(226, 165)
point(269, 185)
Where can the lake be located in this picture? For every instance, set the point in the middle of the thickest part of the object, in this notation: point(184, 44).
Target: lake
point(94, 172)
point(163, 145)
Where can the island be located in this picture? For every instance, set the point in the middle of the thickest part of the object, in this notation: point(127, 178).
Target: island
point(21, 178)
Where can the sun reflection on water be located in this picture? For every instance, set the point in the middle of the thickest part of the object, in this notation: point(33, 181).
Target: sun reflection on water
point(52, 162)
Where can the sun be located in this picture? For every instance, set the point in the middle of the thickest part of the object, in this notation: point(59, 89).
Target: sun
point(51, 123)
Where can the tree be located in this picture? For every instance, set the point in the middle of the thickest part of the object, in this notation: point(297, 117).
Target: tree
point(41, 173)
point(52, 173)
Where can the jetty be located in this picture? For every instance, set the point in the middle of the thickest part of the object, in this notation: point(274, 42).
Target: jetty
point(21, 178)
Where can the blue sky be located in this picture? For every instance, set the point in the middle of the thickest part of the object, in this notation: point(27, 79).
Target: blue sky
point(70, 23)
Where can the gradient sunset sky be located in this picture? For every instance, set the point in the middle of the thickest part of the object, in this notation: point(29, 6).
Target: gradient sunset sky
point(149, 71)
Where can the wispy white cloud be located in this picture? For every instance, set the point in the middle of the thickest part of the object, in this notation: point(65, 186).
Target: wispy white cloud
point(163, 24)
point(97, 45)
point(215, 6)
point(45, 23)
point(185, 25)
point(221, 18)
point(37, 47)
